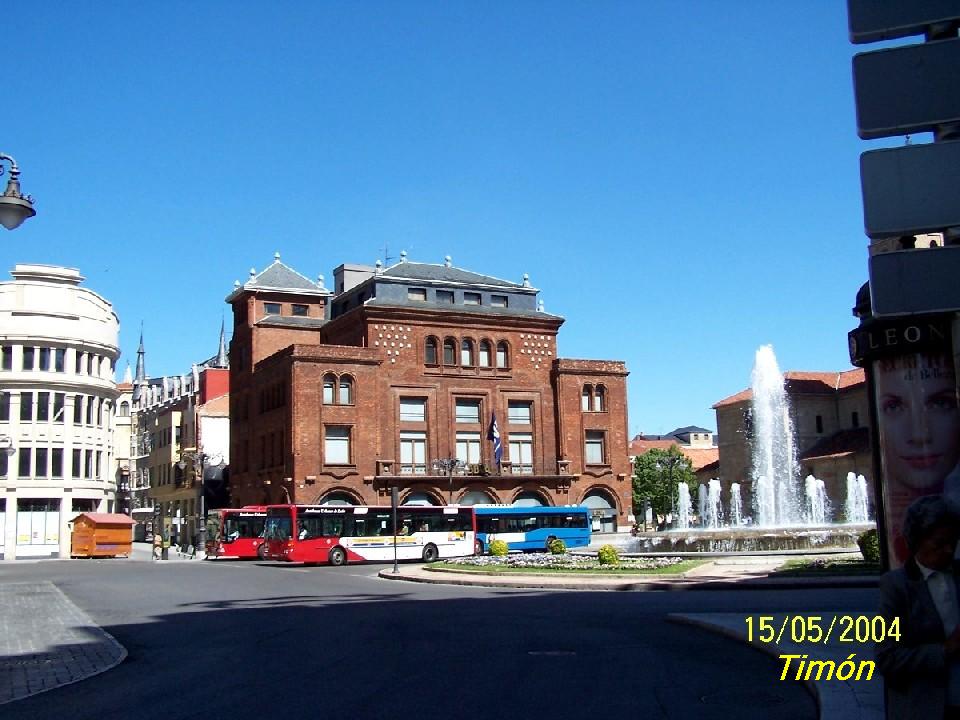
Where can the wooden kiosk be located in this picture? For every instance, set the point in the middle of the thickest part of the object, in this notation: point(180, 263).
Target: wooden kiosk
point(102, 535)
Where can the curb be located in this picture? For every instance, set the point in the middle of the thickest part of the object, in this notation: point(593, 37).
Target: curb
point(681, 585)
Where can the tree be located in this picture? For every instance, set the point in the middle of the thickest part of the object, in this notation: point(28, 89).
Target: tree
point(656, 475)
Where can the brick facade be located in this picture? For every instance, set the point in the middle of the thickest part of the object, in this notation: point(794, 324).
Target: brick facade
point(346, 408)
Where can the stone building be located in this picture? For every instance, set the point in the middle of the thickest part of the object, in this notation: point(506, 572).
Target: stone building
point(58, 349)
point(830, 414)
point(338, 396)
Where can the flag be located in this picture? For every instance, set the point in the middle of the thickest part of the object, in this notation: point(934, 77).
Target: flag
point(493, 435)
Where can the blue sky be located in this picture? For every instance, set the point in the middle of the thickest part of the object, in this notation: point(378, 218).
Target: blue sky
point(679, 179)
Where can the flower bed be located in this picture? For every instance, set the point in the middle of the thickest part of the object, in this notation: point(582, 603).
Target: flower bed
point(566, 563)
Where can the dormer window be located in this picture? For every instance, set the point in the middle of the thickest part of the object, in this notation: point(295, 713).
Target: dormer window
point(445, 296)
point(300, 310)
point(417, 294)
point(498, 301)
point(271, 308)
point(471, 298)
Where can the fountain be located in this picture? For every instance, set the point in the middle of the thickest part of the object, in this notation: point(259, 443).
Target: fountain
point(775, 468)
point(818, 505)
point(736, 506)
point(855, 508)
point(683, 506)
point(787, 515)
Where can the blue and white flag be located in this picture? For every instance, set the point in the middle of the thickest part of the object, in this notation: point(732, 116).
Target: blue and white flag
point(493, 435)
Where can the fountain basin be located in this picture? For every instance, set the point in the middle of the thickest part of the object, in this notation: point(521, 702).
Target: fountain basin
point(747, 539)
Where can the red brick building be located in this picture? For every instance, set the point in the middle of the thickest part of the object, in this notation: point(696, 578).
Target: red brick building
point(338, 396)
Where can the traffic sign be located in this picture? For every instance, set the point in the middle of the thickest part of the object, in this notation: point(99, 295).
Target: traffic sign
point(910, 189)
point(908, 89)
point(915, 281)
point(872, 20)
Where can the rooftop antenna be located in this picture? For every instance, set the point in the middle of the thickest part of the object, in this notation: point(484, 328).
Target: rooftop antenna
point(387, 257)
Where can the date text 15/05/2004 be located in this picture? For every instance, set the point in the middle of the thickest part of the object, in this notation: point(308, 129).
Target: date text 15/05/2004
point(818, 629)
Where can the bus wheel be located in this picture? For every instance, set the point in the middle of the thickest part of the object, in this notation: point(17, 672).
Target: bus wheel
point(262, 551)
point(430, 553)
point(337, 557)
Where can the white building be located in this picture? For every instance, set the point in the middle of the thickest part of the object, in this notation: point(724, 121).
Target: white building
point(58, 349)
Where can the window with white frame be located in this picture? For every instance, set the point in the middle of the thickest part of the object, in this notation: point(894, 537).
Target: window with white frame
point(599, 399)
point(336, 445)
point(413, 410)
point(484, 353)
point(519, 412)
point(468, 411)
point(521, 453)
point(594, 447)
point(468, 447)
point(413, 453)
point(329, 387)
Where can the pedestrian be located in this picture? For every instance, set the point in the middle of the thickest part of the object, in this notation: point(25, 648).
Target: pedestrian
point(921, 662)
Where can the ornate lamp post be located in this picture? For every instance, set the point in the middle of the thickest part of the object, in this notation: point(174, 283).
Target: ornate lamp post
point(448, 466)
point(201, 461)
point(15, 207)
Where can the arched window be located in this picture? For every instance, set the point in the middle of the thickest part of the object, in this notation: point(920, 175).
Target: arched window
point(346, 390)
point(466, 352)
point(124, 409)
point(484, 360)
point(329, 386)
point(599, 399)
point(503, 354)
point(586, 399)
point(430, 351)
point(449, 351)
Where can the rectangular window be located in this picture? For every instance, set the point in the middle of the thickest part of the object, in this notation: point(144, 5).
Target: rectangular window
point(413, 453)
point(819, 420)
point(468, 447)
point(6, 358)
point(90, 403)
point(43, 407)
point(60, 360)
point(5, 407)
point(23, 462)
point(271, 308)
point(77, 464)
point(88, 463)
point(40, 468)
point(521, 453)
point(78, 409)
point(99, 463)
point(445, 296)
point(90, 358)
point(471, 298)
point(58, 400)
point(300, 310)
point(4, 464)
point(79, 356)
point(45, 359)
point(499, 301)
point(855, 419)
point(519, 413)
point(468, 411)
point(26, 407)
point(27, 363)
point(594, 447)
point(56, 462)
point(336, 446)
point(413, 410)
point(417, 294)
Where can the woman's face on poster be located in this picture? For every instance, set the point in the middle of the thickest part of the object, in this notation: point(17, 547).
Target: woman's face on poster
point(920, 423)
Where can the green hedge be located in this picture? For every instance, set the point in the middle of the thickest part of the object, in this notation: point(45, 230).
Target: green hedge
point(608, 555)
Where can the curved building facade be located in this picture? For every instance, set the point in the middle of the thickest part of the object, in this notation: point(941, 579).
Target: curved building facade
point(58, 352)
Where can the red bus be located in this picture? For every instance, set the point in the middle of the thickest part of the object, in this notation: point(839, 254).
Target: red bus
point(338, 534)
point(236, 532)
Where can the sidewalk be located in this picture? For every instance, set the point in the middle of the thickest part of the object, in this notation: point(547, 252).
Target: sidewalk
point(46, 642)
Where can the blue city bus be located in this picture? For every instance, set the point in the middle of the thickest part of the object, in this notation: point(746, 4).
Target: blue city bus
point(532, 527)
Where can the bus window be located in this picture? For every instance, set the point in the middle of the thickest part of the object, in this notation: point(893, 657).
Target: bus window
point(333, 526)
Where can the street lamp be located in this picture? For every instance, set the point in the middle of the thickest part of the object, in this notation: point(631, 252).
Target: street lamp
point(448, 466)
point(15, 207)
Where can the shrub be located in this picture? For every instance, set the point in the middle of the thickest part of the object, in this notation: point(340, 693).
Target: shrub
point(869, 544)
point(557, 547)
point(499, 548)
point(608, 555)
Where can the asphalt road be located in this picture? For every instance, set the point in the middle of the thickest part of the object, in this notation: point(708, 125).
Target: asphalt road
point(239, 640)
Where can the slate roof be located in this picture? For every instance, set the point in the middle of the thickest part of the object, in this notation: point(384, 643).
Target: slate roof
point(807, 383)
point(291, 321)
point(442, 273)
point(278, 276)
